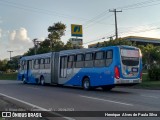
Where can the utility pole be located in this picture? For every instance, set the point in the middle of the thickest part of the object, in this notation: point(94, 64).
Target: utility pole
point(115, 14)
point(10, 53)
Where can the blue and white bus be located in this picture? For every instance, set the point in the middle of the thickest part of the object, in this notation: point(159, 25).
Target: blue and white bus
point(104, 67)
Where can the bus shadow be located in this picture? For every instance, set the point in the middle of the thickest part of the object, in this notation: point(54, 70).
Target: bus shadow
point(75, 88)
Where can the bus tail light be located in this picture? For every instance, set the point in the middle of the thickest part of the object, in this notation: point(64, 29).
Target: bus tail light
point(116, 73)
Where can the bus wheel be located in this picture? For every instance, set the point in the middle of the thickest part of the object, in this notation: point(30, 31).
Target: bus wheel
point(24, 80)
point(42, 81)
point(86, 84)
point(107, 88)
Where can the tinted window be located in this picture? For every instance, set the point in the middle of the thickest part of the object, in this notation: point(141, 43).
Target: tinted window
point(88, 56)
point(80, 61)
point(42, 61)
point(71, 58)
point(63, 66)
point(130, 61)
point(70, 61)
point(79, 57)
point(130, 57)
point(109, 54)
point(23, 64)
point(89, 60)
point(47, 60)
point(99, 59)
point(99, 55)
point(36, 64)
point(30, 64)
point(109, 57)
point(47, 63)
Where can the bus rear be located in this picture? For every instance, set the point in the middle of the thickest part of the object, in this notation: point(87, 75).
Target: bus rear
point(129, 72)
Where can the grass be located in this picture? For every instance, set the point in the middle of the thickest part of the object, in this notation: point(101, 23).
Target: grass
point(8, 76)
point(148, 84)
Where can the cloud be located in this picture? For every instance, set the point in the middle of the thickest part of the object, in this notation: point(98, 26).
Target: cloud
point(19, 40)
point(16, 40)
point(19, 35)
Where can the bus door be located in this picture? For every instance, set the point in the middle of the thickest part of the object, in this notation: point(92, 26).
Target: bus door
point(63, 67)
point(130, 60)
point(55, 67)
point(70, 66)
point(29, 67)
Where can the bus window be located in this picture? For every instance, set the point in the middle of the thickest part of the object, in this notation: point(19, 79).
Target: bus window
point(109, 57)
point(79, 61)
point(70, 61)
point(130, 57)
point(63, 67)
point(99, 59)
point(42, 63)
point(47, 63)
point(88, 60)
point(36, 64)
point(30, 64)
point(22, 65)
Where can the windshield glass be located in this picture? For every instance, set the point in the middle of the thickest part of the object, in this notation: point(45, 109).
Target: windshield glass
point(130, 57)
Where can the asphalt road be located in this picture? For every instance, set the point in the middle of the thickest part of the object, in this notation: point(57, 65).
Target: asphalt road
point(67, 98)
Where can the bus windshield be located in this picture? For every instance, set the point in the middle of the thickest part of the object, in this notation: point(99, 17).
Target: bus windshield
point(130, 57)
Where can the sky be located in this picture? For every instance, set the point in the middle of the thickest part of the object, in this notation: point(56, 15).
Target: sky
point(21, 21)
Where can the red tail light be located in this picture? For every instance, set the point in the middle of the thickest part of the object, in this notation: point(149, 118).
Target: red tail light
point(116, 73)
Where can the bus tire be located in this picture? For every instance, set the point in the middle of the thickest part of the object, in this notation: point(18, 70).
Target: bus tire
point(107, 88)
point(86, 84)
point(42, 81)
point(24, 80)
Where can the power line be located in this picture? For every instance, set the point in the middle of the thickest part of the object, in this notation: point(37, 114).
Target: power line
point(131, 6)
point(39, 10)
point(142, 6)
point(140, 31)
point(105, 37)
point(100, 38)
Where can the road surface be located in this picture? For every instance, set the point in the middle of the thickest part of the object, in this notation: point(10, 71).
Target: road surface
point(67, 98)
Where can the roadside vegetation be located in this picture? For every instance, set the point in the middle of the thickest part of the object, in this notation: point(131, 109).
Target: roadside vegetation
point(148, 83)
point(8, 76)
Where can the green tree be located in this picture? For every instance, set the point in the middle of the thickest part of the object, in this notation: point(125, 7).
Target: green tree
point(3, 65)
point(68, 45)
point(119, 41)
point(13, 63)
point(52, 43)
point(29, 52)
point(56, 31)
point(44, 47)
point(151, 54)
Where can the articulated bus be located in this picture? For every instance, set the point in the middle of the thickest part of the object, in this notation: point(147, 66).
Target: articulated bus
point(105, 67)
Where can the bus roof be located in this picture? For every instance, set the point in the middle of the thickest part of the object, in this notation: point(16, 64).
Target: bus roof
point(45, 55)
point(74, 51)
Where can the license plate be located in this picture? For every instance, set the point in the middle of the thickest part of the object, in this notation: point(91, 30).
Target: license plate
point(134, 69)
